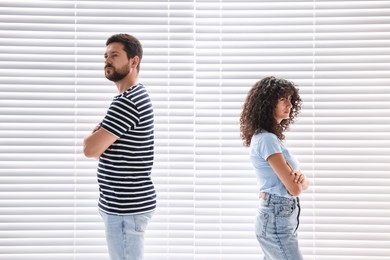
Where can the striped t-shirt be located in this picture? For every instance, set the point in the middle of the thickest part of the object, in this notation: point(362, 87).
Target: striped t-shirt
point(124, 169)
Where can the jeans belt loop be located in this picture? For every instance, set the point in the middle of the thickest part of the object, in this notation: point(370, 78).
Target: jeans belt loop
point(268, 198)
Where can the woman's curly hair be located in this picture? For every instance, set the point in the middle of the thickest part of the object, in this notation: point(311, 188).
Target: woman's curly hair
point(257, 113)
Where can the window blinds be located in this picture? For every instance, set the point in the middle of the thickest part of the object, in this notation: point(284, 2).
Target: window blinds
point(201, 58)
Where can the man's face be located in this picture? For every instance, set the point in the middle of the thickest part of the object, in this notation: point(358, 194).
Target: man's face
point(117, 66)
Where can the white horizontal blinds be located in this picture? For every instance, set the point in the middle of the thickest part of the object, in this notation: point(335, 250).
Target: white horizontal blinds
point(207, 134)
point(201, 57)
point(170, 234)
point(37, 137)
point(237, 44)
point(351, 143)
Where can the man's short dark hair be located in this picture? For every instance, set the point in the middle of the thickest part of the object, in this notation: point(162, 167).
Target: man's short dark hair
point(131, 44)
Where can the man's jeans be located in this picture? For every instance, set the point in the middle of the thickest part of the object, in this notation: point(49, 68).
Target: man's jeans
point(277, 222)
point(125, 235)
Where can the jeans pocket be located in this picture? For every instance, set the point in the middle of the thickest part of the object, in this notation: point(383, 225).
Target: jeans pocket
point(286, 218)
point(284, 210)
point(141, 221)
point(261, 224)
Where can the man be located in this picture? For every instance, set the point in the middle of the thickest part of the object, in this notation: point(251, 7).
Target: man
point(124, 144)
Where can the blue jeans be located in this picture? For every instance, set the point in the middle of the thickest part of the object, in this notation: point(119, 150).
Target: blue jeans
point(125, 235)
point(277, 222)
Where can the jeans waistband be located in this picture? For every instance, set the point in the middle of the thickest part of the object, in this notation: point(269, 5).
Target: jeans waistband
point(275, 199)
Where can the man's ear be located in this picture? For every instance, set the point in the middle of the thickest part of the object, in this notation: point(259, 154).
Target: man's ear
point(135, 62)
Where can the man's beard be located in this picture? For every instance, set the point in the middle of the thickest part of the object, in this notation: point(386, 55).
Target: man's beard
point(119, 74)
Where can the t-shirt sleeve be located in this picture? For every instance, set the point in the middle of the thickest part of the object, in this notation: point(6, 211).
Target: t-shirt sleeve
point(268, 145)
point(122, 115)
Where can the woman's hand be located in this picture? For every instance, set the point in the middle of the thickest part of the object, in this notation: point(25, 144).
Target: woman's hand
point(298, 176)
point(294, 181)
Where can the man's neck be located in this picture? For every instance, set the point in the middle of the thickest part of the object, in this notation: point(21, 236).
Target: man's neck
point(124, 84)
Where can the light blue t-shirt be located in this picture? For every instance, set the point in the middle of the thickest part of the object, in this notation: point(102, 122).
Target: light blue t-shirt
point(264, 144)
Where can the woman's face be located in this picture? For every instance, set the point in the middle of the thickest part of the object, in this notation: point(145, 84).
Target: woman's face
point(282, 109)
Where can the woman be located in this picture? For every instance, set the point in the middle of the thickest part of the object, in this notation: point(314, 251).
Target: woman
point(270, 107)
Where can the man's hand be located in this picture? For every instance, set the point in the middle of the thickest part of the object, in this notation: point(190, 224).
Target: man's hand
point(97, 127)
point(98, 141)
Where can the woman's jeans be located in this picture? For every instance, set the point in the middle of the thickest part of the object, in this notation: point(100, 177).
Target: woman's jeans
point(277, 222)
point(125, 235)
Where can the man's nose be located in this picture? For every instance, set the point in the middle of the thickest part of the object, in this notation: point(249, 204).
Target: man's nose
point(107, 61)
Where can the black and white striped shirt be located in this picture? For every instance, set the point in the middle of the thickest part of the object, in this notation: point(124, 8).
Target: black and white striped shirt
point(124, 170)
